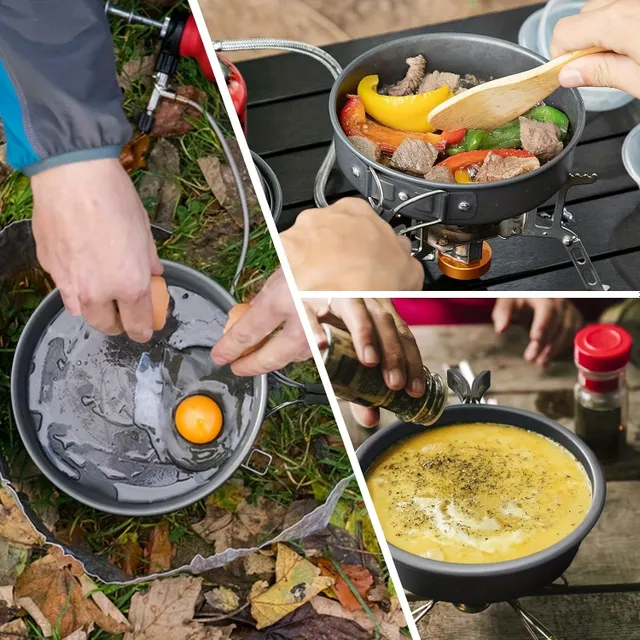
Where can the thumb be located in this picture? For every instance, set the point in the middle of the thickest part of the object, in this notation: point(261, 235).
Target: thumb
point(603, 70)
point(156, 266)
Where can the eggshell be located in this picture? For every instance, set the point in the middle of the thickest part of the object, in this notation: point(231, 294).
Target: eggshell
point(235, 313)
point(160, 301)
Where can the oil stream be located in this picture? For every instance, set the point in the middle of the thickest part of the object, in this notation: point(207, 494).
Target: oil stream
point(103, 406)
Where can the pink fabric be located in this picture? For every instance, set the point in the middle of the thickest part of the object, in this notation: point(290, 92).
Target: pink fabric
point(445, 311)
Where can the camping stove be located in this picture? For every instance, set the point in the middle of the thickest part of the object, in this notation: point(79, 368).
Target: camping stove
point(463, 253)
point(535, 628)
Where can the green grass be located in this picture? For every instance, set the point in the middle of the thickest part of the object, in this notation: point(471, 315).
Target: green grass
point(301, 439)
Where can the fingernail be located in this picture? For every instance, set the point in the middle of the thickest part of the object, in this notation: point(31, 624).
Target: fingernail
point(531, 351)
point(571, 78)
point(417, 386)
point(370, 355)
point(219, 360)
point(396, 379)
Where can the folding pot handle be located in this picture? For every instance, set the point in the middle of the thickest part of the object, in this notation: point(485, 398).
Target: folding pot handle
point(246, 465)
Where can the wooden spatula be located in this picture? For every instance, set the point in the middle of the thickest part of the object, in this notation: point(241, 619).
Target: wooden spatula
point(490, 105)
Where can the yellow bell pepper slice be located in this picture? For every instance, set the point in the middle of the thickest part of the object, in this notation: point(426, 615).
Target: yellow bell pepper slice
point(462, 177)
point(408, 113)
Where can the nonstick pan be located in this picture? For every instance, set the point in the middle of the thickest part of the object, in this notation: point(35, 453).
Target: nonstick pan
point(104, 497)
point(452, 204)
point(479, 584)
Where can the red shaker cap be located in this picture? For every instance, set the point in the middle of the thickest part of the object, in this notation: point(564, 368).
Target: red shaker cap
point(602, 347)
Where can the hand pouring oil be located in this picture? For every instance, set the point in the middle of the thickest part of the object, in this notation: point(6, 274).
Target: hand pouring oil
point(365, 386)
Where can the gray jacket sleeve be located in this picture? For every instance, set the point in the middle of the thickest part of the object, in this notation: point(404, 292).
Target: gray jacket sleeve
point(59, 98)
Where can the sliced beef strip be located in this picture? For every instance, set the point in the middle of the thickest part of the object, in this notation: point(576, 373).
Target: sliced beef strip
point(410, 83)
point(367, 148)
point(440, 174)
point(437, 79)
point(540, 138)
point(496, 168)
point(414, 156)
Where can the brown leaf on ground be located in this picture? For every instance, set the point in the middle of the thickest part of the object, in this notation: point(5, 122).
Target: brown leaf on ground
point(306, 623)
point(80, 634)
point(172, 118)
point(212, 172)
point(74, 536)
point(378, 593)
point(7, 604)
point(53, 584)
point(90, 589)
point(14, 525)
point(14, 630)
point(134, 69)
point(127, 554)
point(258, 563)
point(132, 154)
point(298, 510)
point(297, 581)
point(244, 173)
point(34, 611)
point(243, 528)
point(159, 189)
point(159, 549)
point(166, 611)
point(388, 629)
point(359, 576)
point(222, 599)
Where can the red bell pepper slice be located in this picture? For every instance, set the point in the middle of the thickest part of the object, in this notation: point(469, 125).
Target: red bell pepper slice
point(354, 122)
point(462, 160)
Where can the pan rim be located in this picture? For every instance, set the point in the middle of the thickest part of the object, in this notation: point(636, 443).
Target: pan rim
point(421, 183)
point(67, 485)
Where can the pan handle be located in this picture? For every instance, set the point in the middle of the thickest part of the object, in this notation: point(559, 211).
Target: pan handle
point(309, 394)
point(265, 469)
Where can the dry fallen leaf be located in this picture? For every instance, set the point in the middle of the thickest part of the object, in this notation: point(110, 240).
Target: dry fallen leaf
point(7, 604)
point(15, 630)
point(127, 554)
point(306, 623)
point(34, 611)
point(212, 172)
point(14, 525)
point(388, 629)
point(132, 154)
point(242, 528)
point(223, 599)
point(80, 634)
point(172, 118)
point(90, 589)
point(133, 69)
point(159, 187)
point(258, 563)
point(297, 581)
point(159, 549)
point(166, 611)
point(359, 576)
point(54, 585)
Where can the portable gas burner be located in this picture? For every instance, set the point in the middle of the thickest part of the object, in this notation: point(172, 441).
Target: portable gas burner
point(180, 38)
point(536, 629)
point(456, 220)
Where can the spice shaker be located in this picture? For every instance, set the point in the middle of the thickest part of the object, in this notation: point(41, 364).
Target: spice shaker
point(601, 353)
point(355, 382)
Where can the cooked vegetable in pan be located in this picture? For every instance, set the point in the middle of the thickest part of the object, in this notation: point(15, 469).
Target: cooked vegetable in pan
point(390, 126)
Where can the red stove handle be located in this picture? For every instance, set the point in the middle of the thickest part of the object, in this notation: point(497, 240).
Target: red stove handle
point(191, 46)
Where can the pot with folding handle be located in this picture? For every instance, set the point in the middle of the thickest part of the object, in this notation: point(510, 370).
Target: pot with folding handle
point(456, 219)
point(477, 584)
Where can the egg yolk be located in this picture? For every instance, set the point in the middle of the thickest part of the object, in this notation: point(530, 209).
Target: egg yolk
point(198, 419)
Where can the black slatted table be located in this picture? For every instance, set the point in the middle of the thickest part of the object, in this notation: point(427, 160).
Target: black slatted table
point(289, 127)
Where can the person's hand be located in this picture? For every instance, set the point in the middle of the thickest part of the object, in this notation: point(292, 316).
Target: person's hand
point(380, 337)
point(348, 247)
point(612, 24)
point(553, 324)
point(272, 309)
point(94, 238)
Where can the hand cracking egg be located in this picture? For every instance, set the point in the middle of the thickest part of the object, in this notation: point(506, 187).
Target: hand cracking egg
point(198, 419)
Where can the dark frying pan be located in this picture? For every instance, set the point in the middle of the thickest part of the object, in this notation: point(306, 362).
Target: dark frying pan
point(459, 204)
point(475, 584)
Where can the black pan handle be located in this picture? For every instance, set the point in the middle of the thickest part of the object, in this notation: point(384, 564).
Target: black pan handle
point(309, 393)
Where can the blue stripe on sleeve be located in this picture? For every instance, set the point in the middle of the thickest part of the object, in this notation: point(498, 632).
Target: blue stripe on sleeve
point(20, 153)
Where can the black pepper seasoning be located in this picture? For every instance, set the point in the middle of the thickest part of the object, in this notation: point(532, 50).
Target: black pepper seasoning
point(601, 353)
point(364, 385)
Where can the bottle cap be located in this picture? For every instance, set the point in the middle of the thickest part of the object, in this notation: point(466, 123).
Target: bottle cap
point(602, 348)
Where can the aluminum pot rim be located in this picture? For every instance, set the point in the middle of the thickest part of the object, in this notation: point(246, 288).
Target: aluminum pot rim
point(416, 182)
point(497, 569)
point(141, 509)
point(273, 188)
